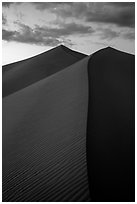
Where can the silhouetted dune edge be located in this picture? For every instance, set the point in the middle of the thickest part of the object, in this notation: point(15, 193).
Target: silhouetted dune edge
point(51, 77)
point(80, 110)
point(24, 73)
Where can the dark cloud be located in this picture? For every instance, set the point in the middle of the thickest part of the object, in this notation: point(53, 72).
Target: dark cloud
point(64, 30)
point(64, 9)
point(27, 35)
point(51, 5)
point(8, 35)
point(45, 35)
point(73, 9)
point(119, 13)
point(6, 4)
point(4, 20)
point(122, 4)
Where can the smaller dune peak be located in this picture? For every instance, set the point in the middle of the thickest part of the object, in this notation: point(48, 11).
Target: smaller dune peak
point(117, 51)
point(110, 51)
point(110, 48)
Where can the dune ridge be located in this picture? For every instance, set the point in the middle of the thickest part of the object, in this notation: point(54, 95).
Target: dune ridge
point(19, 75)
point(44, 146)
point(70, 136)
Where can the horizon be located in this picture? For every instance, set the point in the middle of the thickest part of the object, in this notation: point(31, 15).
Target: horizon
point(67, 48)
point(31, 28)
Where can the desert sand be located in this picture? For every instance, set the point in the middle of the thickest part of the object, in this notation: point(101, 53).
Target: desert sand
point(110, 127)
point(21, 74)
point(68, 127)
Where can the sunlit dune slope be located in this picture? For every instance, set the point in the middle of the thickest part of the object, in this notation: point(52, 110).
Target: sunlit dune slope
point(21, 74)
point(110, 130)
point(44, 139)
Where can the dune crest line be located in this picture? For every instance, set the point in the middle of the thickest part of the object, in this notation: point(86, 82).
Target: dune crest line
point(19, 75)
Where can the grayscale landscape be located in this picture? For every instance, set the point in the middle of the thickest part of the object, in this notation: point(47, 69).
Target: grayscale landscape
point(68, 116)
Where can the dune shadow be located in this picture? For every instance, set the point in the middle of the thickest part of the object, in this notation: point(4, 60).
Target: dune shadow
point(110, 126)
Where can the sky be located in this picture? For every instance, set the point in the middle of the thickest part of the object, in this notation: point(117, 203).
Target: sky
point(32, 28)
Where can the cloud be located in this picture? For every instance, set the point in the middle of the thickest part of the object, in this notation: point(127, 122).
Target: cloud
point(118, 13)
point(53, 23)
point(129, 35)
point(121, 14)
point(45, 35)
point(65, 30)
point(51, 5)
point(6, 4)
point(122, 4)
point(4, 20)
point(27, 35)
point(107, 33)
point(8, 35)
point(63, 9)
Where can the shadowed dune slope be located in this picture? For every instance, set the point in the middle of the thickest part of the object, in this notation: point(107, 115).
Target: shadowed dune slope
point(110, 127)
point(72, 132)
point(21, 74)
point(44, 139)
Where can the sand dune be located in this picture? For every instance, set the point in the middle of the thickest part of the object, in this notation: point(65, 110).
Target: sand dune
point(44, 142)
point(21, 74)
point(110, 130)
point(69, 135)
